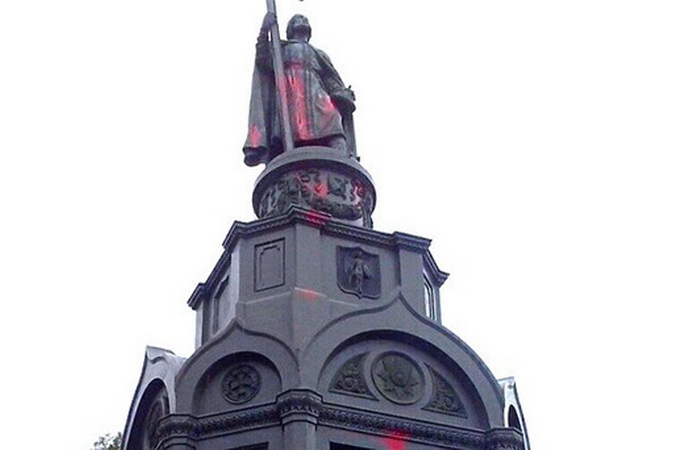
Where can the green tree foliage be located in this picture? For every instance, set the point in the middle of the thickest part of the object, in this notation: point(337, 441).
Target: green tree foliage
point(108, 442)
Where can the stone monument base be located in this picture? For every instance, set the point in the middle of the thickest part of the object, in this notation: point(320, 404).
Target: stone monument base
point(317, 178)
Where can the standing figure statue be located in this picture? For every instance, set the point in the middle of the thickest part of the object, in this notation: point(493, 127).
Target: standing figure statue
point(320, 106)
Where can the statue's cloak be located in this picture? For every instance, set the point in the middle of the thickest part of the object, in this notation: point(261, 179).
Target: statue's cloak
point(311, 82)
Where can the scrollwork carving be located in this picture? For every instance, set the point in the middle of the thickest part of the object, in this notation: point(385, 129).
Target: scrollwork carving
point(350, 379)
point(444, 398)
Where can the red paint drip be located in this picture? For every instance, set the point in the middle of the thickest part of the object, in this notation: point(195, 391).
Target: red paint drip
point(395, 441)
point(255, 136)
point(296, 85)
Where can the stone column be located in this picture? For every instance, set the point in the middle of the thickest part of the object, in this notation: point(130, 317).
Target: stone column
point(299, 412)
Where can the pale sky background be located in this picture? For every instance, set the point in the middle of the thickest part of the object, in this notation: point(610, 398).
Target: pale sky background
point(536, 142)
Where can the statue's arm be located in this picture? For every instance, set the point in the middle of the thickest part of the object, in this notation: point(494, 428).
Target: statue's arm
point(331, 76)
point(342, 96)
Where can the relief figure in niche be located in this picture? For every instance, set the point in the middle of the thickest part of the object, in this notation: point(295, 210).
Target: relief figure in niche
point(358, 272)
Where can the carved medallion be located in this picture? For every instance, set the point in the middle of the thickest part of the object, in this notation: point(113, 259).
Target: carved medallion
point(358, 272)
point(444, 398)
point(240, 384)
point(398, 378)
point(350, 379)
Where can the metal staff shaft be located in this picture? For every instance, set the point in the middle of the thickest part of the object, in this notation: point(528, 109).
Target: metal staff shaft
point(280, 77)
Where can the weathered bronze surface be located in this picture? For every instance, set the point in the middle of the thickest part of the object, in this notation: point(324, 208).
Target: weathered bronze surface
point(320, 106)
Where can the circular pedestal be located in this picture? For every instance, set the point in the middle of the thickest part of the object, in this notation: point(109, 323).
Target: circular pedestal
point(318, 178)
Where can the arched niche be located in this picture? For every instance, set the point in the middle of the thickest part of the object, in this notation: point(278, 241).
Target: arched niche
point(396, 373)
point(236, 381)
point(153, 406)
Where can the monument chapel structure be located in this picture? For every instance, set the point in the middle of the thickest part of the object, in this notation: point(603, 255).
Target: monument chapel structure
point(314, 331)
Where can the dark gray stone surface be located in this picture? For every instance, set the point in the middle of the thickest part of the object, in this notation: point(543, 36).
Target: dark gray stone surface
point(288, 357)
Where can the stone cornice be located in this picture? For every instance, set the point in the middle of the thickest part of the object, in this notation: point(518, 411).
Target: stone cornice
point(410, 429)
point(504, 439)
point(309, 403)
point(329, 227)
point(439, 275)
point(196, 296)
point(299, 402)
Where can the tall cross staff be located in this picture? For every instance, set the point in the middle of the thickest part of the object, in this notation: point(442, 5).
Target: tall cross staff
point(280, 76)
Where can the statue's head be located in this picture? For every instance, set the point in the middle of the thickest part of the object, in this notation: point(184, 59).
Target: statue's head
point(298, 28)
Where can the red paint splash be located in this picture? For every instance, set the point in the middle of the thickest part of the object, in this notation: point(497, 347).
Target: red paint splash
point(296, 86)
point(327, 104)
point(309, 295)
point(321, 190)
point(395, 441)
point(255, 136)
point(316, 218)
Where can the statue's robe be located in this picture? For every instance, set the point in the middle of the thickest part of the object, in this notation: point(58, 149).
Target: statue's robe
point(311, 82)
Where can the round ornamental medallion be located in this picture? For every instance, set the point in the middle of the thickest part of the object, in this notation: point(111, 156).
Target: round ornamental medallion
point(240, 384)
point(398, 378)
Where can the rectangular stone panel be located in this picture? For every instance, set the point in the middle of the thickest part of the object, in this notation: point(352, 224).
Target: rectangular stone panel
point(270, 265)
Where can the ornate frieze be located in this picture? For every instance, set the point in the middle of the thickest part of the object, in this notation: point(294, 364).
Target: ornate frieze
point(342, 196)
point(310, 403)
point(319, 179)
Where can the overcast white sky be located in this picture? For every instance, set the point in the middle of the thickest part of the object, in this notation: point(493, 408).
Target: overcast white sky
point(537, 143)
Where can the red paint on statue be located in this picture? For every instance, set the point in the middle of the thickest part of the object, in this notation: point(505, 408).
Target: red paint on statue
point(328, 105)
point(296, 86)
point(321, 190)
point(255, 136)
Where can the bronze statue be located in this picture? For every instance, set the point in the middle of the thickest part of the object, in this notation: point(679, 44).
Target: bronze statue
point(319, 108)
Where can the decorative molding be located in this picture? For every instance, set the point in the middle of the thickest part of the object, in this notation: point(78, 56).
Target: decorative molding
point(411, 242)
point(237, 421)
point(504, 439)
point(444, 399)
point(177, 425)
point(318, 178)
point(349, 380)
point(240, 384)
point(308, 402)
point(319, 188)
point(410, 429)
point(296, 214)
point(299, 402)
point(438, 276)
point(198, 428)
